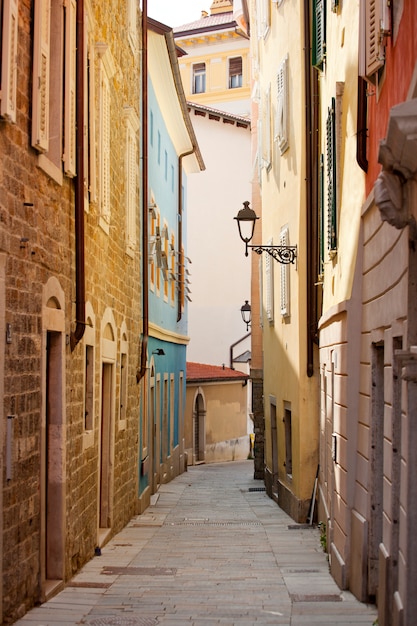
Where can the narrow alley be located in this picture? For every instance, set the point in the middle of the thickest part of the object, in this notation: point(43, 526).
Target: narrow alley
point(211, 549)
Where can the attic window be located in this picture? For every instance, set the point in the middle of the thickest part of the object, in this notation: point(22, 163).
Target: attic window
point(235, 72)
point(199, 78)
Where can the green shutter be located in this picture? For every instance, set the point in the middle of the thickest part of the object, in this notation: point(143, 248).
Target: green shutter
point(321, 215)
point(331, 178)
point(319, 33)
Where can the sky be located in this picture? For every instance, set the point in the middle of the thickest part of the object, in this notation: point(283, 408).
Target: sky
point(177, 12)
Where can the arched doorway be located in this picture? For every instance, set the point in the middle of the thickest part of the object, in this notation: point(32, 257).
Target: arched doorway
point(199, 419)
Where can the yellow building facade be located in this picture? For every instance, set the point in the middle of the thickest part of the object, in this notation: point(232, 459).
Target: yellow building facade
point(290, 363)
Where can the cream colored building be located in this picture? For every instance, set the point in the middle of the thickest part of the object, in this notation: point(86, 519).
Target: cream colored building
point(289, 316)
point(216, 414)
point(215, 72)
point(216, 69)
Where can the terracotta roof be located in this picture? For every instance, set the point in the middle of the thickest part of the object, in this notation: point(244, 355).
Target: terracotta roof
point(202, 372)
point(211, 22)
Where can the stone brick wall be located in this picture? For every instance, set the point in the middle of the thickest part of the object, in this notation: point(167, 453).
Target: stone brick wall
point(38, 241)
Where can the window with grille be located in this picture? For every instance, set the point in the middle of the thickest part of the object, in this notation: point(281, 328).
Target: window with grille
point(235, 72)
point(331, 176)
point(199, 78)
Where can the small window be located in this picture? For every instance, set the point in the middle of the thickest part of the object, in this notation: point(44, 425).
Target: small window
point(235, 72)
point(199, 78)
point(319, 33)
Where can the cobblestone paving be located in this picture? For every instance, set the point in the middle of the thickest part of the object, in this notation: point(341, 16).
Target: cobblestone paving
point(212, 550)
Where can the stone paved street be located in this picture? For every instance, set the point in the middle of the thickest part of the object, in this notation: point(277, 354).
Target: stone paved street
point(211, 549)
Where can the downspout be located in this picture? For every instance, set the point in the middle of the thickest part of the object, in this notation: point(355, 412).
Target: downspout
point(172, 51)
point(145, 254)
point(181, 264)
point(78, 333)
point(311, 198)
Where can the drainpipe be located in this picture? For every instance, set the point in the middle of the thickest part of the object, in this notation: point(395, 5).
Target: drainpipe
point(145, 260)
point(172, 51)
point(181, 273)
point(311, 113)
point(78, 333)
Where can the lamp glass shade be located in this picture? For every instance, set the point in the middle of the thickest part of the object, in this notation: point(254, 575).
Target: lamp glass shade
point(245, 311)
point(246, 219)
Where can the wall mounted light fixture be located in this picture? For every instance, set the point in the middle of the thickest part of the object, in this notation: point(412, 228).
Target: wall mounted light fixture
point(246, 219)
point(246, 313)
point(158, 352)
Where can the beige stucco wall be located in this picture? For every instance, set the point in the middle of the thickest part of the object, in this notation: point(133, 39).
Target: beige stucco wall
point(283, 194)
point(226, 435)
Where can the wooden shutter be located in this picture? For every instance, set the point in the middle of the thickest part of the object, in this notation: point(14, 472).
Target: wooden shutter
point(319, 33)
point(41, 70)
point(374, 50)
point(321, 216)
point(285, 277)
point(269, 279)
point(331, 177)
point(9, 60)
point(281, 122)
point(70, 89)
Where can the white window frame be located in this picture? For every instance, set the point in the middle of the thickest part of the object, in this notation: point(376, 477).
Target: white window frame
point(131, 177)
point(90, 157)
point(41, 75)
point(263, 18)
point(285, 276)
point(8, 87)
point(199, 74)
point(266, 128)
point(269, 284)
point(132, 24)
point(106, 71)
point(69, 156)
point(281, 119)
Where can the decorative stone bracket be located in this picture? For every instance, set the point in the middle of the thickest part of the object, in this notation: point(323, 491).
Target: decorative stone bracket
point(398, 156)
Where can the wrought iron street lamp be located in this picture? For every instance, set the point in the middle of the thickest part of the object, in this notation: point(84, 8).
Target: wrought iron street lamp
point(246, 219)
point(246, 313)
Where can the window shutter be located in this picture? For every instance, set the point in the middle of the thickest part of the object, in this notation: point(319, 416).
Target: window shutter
point(269, 277)
point(281, 123)
point(132, 126)
point(331, 177)
point(70, 89)
point(321, 215)
point(105, 150)
point(41, 68)
point(374, 50)
point(266, 129)
point(319, 33)
point(285, 277)
point(9, 60)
